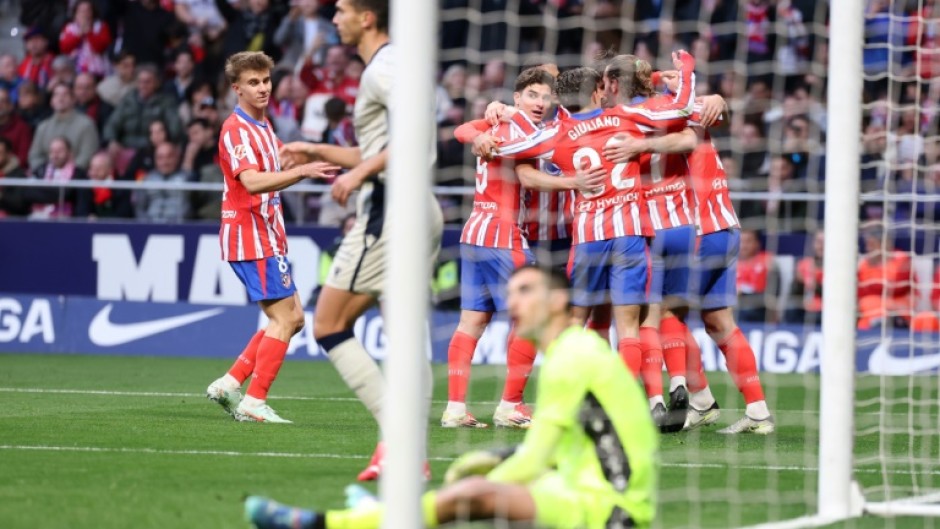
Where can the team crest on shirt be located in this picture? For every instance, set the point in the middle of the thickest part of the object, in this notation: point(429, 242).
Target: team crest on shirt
point(285, 280)
point(240, 151)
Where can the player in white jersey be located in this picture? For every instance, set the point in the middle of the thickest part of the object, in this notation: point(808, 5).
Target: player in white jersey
point(357, 276)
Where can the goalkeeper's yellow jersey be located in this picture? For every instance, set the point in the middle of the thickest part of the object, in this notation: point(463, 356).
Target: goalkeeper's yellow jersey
point(608, 444)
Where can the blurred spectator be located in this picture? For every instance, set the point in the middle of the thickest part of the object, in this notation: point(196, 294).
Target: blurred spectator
point(88, 102)
point(12, 201)
point(146, 31)
point(752, 143)
point(9, 78)
point(163, 205)
point(885, 281)
point(37, 64)
point(304, 35)
point(282, 110)
point(208, 109)
point(144, 159)
point(86, 38)
point(31, 104)
point(339, 131)
point(128, 125)
point(325, 82)
point(114, 87)
point(249, 29)
point(806, 294)
point(200, 162)
point(199, 91)
point(758, 24)
point(454, 81)
point(793, 41)
point(331, 78)
point(14, 130)
point(66, 122)
point(63, 72)
point(202, 17)
point(184, 73)
point(785, 215)
point(103, 202)
point(757, 281)
point(494, 81)
point(50, 202)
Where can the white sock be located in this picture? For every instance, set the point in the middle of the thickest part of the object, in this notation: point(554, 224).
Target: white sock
point(506, 405)
point(658, 399)
point(456, 408)
point(251, 402)
point(230, 382)
point(757, 410)
point(361, 374)
point(702, 400)
point(675, 382)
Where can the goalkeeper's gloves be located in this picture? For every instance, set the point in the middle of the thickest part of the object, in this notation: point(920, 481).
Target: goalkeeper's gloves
point(476, 463)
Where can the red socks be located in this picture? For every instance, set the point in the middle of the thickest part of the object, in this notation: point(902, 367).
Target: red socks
point(631, 354)
point(742, 365)
point(459, 357)
point(672, 333)
point(244, 365)
point(271, 353)
point(652, 366)
point(694, 373)
point(519, 360)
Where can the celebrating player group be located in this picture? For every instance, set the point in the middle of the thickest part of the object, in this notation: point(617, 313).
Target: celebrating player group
point(653, 232)
point(609, 165)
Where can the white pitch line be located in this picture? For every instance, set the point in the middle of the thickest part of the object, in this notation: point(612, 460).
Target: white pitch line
point(304, 455)
point(109, 393)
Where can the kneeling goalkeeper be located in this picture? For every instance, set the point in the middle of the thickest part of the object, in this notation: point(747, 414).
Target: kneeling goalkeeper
point(588, 461)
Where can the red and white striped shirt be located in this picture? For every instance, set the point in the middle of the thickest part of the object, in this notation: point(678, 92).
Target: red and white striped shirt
point(549, 213)
point(714, 211)
point(668, 191)
point(252, 225)
point(616, 209)
point(499, 206)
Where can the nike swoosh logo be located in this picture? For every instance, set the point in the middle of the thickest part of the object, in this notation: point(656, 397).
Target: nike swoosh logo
point(107, 334)
point(881, 362)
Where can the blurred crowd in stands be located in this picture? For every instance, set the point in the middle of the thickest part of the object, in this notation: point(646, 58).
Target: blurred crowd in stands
point(132, 90)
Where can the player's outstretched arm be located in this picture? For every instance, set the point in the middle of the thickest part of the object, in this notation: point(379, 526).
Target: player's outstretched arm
point(630, 147)
point(355, 177)
point(265, 182)
point(467, 132)
point(297, 152)
point(713, 111)
point(671, 114)
point(584, 181)
point(532, 458)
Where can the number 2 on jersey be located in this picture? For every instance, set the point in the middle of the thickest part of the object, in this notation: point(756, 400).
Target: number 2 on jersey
point(594, 161)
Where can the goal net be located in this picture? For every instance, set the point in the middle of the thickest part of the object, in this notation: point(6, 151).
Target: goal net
point(770, 61)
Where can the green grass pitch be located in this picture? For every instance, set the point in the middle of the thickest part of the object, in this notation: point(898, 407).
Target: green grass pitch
point(117, 442)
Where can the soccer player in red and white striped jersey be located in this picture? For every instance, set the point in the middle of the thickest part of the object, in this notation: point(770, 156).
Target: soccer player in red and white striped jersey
point(493, 244)
point(610, 258)
point(719, 240)
point(252, 236)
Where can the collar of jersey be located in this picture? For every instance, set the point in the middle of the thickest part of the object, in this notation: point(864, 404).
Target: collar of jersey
point(588, 115)
point(242, 113)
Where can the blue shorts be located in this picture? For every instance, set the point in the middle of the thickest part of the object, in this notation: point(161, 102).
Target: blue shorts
point(671, 254)
point(717, 269)
point(553, 253)
point(615, 271)
point(268, 278)
point(484, 273)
